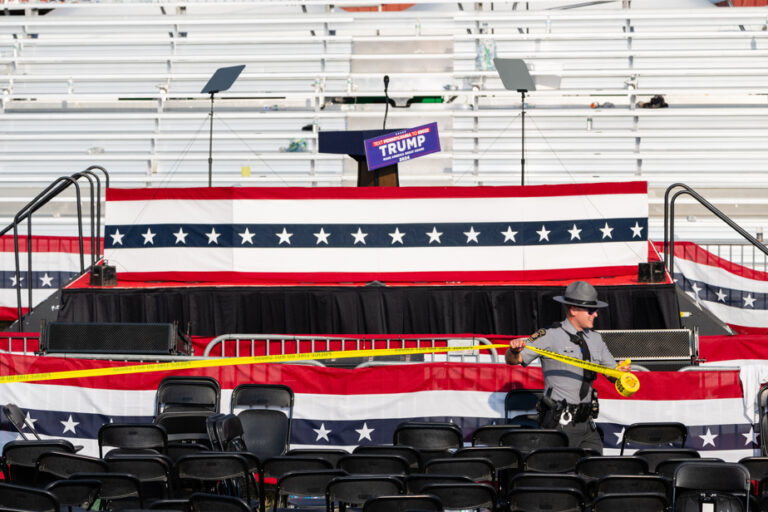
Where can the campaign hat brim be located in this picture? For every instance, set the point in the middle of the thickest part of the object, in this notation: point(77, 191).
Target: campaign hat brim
point(581, 303)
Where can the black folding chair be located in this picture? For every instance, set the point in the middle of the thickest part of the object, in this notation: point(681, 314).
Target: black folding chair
point(632, 484)
point(53, 466)
point(655, 455)
point(266, 412)
point(593, 468)
point(408, 453)
point(366, 464)
point(545, 499)
point(225, 473)
point(478, 469)
point(526, 440)
point(631, 502)
point(723, 484)
point(153, 472)
point(27, 499)
point(81, 494)
point(117, 491)
point(546, 480)
point(132, 438)
point(553, 460)
point(187, 393)
point(656, 434)
point(202, 502)
point(464, 496)
point(490, 435)
point(305, 488)
point(356, 490)
point(520, 407)
point(332, 455)
point(20, 458)
point(402, 503)
point(432, 440)
point(416, 482)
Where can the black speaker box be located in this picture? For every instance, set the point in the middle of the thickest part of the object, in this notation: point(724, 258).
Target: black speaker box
point(103, 275)
point(114, 338)
point(651, 272)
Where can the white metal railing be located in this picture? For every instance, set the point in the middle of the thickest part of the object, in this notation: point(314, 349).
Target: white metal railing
point(230, 345)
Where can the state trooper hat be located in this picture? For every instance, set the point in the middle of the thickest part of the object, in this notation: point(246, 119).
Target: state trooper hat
point(582, 294)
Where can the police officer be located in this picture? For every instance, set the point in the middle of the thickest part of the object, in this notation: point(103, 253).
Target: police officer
point(568, 403)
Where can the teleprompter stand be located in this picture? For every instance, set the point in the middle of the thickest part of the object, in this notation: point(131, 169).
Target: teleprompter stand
point(515, 77)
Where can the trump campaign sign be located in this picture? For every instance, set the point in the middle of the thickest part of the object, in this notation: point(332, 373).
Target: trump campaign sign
point(402, 145)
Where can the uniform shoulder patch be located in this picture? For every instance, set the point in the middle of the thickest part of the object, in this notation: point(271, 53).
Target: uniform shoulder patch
point(537, 334)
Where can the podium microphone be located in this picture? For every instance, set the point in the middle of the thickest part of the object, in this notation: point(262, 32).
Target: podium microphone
point(386, 101)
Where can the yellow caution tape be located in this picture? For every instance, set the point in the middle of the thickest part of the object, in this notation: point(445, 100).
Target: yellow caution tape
point(626, 383)
point(232, 361)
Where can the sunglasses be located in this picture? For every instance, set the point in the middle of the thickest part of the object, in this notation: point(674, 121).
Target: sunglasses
point(590, 311)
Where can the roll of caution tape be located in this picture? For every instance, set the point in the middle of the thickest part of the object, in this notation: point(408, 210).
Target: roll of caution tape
point(627, 384)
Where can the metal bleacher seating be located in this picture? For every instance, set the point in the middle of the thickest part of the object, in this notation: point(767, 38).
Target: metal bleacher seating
point(117, 84)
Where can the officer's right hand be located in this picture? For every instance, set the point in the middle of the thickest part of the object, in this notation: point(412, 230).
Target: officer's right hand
point(518, 344)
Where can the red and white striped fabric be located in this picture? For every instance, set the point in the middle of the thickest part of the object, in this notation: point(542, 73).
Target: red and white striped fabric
point(735, 294)
point(55, 260)
point(389, 234)
point(343, 408)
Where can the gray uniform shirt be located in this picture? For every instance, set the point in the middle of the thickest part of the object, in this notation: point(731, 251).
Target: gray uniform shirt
point(563, 379)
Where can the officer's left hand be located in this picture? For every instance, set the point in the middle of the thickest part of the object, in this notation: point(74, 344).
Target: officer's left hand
point(624, 368)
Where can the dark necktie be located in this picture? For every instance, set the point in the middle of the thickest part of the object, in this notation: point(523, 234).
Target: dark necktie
point(589, 375)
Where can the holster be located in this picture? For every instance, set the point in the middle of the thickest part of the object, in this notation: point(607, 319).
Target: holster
point(549, 412)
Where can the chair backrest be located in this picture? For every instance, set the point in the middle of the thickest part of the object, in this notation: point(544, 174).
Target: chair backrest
point(521, 403)
point(464, 496)
point(526, 439)
point(193, 473)
point(546, 480)
point(373, 464)
point(632, 502)
point(262, 396)
point(18, 420)
point(723, 482)
point(307, 483)
point(402, 503)
point(632, 484)
point(545, 499)
point(57, 466)
point(187, 393)
point(407, 452)
point(230, 434)
point(655, 434)
point(180, 504)
point(132, 437)
point(153, 471)
point(124, 488)
point(667, 468)
point(204, 502)
point(266, 432)
point(490, 435)
point(75, 493)
point(189, 426)
point(356, 489)
point(20, 458)
point(276, 467)
point(757, 467)
point(553, 460)
point(595, 467)
point(17, 497)
point(655, 455)
point(477, 468)
point(502, 457)
point(425, 436)
point(332, 455)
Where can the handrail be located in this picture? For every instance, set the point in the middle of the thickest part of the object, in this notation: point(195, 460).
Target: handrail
point(669, 222)
point(25, 213)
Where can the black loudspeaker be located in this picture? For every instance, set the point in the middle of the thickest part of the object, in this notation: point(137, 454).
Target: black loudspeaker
point(103, 275)
point(117, 338)
point(651, 272)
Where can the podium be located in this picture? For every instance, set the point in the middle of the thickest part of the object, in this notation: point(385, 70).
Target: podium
point(351, 143)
